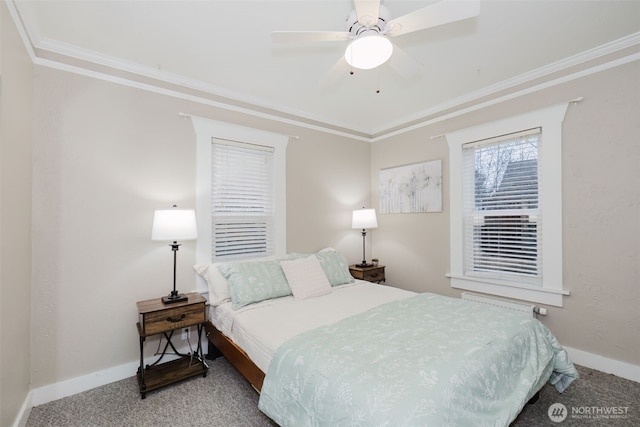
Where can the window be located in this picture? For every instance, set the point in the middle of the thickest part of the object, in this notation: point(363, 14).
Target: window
point(240, 191)
point(501, 211)
point(506, 207)
point(242, 200)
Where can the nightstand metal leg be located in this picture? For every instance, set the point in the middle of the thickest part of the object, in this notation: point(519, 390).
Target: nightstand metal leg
point(166, 346)
point(143, 385)
point(199, 352)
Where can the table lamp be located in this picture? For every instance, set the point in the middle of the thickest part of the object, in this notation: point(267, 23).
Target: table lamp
point(174, 225)
point(364, 218)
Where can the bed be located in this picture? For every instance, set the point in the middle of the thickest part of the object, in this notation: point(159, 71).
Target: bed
point(347, 352)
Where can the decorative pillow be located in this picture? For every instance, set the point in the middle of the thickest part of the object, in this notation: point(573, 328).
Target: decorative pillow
point(336, 267)
point(297, 255)
point(251, 282)
point(218, 286)
point(306, 277)
point(217, 283)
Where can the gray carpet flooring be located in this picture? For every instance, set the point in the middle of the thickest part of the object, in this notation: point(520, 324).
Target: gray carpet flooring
point(224, 398)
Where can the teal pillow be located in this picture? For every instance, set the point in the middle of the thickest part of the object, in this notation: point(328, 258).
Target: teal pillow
point(336, 267)
point(251, 282)
point(297, 255)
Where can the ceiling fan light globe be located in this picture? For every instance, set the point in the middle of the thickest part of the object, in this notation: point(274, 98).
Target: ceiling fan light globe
point(368, 51)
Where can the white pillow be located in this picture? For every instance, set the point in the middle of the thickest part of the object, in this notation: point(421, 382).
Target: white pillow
point(218, 286)
point(306, 277)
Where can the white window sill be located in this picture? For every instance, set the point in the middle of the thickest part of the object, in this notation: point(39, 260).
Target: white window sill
point(534, 294)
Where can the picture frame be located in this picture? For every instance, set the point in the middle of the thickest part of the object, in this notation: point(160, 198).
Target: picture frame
point(412, 188)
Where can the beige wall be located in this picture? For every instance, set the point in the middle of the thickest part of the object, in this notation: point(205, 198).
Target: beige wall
point(16, 74)
point(601, 211)
point(105, 157)
point(325, 183)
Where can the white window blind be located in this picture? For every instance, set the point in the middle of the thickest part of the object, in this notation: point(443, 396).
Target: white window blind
point(502, 216)
point(242, 200)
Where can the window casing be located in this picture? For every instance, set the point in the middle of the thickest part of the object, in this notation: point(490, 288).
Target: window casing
point(506, 207)
point(240, 192)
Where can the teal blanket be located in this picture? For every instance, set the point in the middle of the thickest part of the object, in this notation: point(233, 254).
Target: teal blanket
point(427, 360)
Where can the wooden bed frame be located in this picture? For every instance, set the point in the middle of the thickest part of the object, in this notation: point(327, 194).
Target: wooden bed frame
point(221, 345)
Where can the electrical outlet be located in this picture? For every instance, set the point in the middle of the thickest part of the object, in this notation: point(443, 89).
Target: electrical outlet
point(186, 333)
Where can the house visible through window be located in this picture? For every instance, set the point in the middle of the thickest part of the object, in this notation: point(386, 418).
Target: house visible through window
point(502, 216)
point(506, 207)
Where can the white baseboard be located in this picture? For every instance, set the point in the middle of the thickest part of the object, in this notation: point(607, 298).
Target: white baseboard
point(49, 393)
point(25, 410)
point(604, 364)
point(76, 385)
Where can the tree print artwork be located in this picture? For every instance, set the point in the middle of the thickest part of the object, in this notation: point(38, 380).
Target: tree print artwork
point(411, 188)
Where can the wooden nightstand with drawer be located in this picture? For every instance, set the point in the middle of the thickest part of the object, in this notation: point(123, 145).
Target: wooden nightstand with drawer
point(159, 318)
point(370, 274)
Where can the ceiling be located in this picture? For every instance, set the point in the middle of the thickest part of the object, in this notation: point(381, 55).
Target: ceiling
point(221, 53)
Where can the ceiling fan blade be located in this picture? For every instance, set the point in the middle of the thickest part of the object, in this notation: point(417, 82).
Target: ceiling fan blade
point(308, 36)
point(335, 75)
point(404, 64)
point(440, 13)
point(367, 11)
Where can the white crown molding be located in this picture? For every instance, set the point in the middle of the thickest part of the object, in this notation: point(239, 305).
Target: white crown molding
point(500, 99)
point(62, 56)
point(23, 32)
point(64, 50)
point(526, 78)
point(196, 99)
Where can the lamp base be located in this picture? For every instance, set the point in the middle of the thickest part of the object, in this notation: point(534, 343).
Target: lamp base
point(364, 265)
point(173, 298)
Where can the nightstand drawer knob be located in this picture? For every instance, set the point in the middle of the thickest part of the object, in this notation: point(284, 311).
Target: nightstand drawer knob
point(179, 319)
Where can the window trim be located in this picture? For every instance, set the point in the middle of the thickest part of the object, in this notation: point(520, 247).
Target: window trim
point(550, 181)
point(206, 131)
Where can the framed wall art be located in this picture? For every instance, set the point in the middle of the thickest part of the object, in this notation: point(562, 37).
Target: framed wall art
point(414, 188)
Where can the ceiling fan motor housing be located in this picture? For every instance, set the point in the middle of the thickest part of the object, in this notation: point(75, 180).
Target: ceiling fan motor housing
point(357, 27)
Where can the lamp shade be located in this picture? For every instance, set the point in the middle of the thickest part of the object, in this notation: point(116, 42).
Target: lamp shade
point(364, 218)
point(174, 224)
point(368, 51)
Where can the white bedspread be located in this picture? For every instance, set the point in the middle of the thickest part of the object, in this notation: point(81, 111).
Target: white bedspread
point(260, 329)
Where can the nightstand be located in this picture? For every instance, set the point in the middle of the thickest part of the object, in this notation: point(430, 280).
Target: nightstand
point(155, 318)
point(370, 274)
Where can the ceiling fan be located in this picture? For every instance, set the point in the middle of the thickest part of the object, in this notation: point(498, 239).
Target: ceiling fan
point(369, 28)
